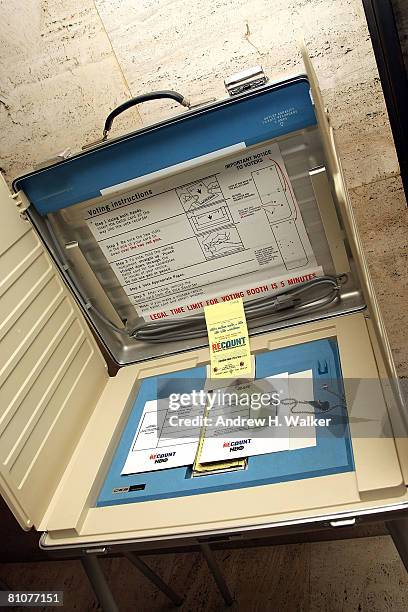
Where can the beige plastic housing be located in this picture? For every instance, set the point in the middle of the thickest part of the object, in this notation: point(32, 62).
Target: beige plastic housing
point(377, 481)
point(51, 371)
point(61, 415)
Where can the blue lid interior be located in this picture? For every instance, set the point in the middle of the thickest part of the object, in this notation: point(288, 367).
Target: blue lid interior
point(270, 112)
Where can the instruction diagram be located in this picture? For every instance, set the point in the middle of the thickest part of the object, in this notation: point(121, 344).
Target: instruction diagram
point(198, 193)
point(220, 243)
point(272, 192)
point(211, 218)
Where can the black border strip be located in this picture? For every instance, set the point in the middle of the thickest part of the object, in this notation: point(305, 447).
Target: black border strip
point(388, 53)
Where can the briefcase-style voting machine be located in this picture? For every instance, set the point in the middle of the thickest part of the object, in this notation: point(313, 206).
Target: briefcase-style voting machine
point(109, 258)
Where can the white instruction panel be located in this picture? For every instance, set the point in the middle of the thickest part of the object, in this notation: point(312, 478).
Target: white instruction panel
point(173, 250)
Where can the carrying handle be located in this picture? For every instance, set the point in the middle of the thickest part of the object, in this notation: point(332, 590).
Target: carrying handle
point(154, 95)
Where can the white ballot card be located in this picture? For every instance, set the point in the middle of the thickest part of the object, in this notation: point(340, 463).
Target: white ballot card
point(239, 426)
point(301, 389)
point(175, 242)
point(158, 444)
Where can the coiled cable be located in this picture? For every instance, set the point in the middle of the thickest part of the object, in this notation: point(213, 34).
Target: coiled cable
point(311, 296)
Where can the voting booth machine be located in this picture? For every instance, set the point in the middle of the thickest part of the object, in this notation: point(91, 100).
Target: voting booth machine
point(101, 251)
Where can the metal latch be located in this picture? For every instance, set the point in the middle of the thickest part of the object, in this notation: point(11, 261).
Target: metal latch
point(343, 523)
point(102, 550)
point(21, 201)
point(245, 80)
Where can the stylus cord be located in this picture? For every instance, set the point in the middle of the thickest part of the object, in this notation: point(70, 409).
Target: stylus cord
point(313, 295)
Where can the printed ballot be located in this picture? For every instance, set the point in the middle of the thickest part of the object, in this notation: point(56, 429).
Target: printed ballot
point(260, 417)
point(159, 445)
point(301, 388)
point(242, 427)
point(233, 421)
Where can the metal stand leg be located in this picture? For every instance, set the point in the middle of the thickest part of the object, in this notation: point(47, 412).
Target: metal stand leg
point(217, 573)
point(399, 532)
point(153, 577)
point(100, 587)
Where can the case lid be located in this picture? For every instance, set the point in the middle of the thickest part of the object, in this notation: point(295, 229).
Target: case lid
point(250, 118)
point(136, 242)
point(51, 370)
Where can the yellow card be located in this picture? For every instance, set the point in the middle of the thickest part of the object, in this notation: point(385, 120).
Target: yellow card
point(228, 338)
point(215, 466)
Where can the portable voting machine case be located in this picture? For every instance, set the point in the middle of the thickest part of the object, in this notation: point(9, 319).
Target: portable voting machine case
point(82, 247)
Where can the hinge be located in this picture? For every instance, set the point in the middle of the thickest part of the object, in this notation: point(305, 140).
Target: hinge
point(245, 80)
point(202, 102)
point(326, 110)
point(21, 201)
point(102, 550)
point(54, 159)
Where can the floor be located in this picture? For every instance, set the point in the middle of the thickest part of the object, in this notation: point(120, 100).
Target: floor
point(361, 575)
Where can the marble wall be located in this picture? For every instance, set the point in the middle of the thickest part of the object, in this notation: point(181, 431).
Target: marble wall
point(193, 45)
point(59, 79)
point(66, 63)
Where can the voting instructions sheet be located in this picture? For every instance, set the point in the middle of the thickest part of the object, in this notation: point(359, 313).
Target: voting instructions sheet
point(176, 244)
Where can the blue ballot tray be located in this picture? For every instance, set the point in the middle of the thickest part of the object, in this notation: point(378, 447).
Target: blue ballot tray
point(331, 455)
